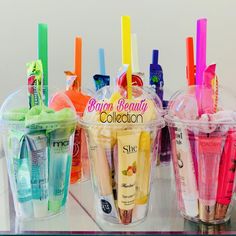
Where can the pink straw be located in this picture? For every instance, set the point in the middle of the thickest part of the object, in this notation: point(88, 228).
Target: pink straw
point(201, 50)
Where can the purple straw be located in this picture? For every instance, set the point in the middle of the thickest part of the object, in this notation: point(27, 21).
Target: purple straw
point(201, 50)
point(201, 59)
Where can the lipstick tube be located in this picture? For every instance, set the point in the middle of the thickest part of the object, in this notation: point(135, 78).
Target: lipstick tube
point(102, 177)
point(210, 147)
point(226, 177)
point(186, 171)
point(128, 149)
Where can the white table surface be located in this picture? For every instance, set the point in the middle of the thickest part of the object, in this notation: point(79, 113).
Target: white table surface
point(80, 216)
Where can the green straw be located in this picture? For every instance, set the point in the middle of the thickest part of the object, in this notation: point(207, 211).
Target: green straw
point(43, 56)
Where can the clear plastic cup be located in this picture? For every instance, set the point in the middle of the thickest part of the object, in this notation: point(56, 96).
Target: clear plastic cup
point(120, 144)
point(204, 153)
point(38, 146)
point(80, 168)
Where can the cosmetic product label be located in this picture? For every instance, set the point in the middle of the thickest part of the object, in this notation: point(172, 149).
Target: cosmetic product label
point(59, 146)
point(210, 151)
point(101, 81)
point(128, 148)
point(20, 173)
point(176, 171)
point(23, 180)
point(99, 159)
point(106, 206)
point(226, 179)
point(21, 170)
point(210, 147)
point(101, 169)
point(186, 172)
point(58, 171)
point(127, 177)
point(156, 80)
point(35, 77)
point(37, 146)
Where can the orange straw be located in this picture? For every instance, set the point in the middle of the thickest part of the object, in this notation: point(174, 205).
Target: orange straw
point(78, 62)
point(190, 61)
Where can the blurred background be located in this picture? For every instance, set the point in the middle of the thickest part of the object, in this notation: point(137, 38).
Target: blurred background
point(160, 24)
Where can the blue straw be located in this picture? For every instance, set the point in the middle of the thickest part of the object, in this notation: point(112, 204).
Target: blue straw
point(101, 53)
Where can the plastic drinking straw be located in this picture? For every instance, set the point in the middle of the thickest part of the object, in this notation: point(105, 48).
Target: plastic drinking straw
point(155, 55)
point(78, 62)
point(135, 59)
point(201, 50)
point(101, 54)
point(190, 61)
point(43, 56)
point(126, 51)
point(200, 61)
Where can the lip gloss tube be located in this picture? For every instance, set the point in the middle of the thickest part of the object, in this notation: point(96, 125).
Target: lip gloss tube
point(186, 172)
point(128, 148)
point(176, 170)
point(210, 147)
point(226, 177)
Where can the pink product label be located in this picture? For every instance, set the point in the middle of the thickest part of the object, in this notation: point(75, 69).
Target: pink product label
point(210, 150)
point(227, 170)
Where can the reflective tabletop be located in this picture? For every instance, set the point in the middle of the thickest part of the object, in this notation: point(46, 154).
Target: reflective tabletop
point(80, 216)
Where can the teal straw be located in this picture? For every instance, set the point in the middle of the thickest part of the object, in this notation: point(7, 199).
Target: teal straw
point(43, 56)
point(101, 54)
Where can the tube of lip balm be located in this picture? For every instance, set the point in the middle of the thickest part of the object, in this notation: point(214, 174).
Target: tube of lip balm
point(21, 170)
point(143, 170)
point(210, 149)
point(128, 145)
point(176, 170)
point(59, 141)
point(186, 172)
point(37, 149)
point(102, 176)
point(226, 177)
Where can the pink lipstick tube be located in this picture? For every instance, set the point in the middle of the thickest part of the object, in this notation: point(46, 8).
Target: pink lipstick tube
point(226, 179)
point(210, 147)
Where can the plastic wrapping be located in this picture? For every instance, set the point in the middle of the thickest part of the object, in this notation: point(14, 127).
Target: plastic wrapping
point(121, 137)
point(38, 145)
point(204, 153)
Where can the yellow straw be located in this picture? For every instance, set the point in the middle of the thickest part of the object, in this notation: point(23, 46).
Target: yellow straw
point(126, 51)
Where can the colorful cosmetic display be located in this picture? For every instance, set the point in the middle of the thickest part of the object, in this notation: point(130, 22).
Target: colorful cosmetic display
point(80, 166)
point(202, 125)
point(121, 126)
point(203, 156)
point(38, 141)
point(38, 144)
point(121, 136)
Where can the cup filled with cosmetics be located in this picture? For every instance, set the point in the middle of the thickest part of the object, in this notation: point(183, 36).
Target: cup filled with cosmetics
point(202, 124)
point(38, 145)
point(121, 131)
